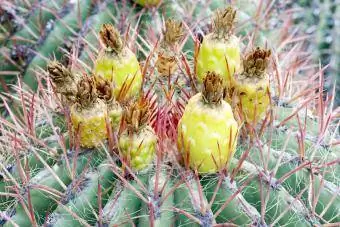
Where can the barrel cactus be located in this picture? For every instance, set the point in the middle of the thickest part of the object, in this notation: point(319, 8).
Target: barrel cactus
point(74, 153)
point(320, 18)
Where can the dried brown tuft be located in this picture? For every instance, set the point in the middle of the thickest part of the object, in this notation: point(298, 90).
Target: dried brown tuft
point(110, 36)
point(104, 89)
point(256, 63)
point(86, 92)
point(137, 115)
point(58, 72)
point(173, 32)
point(63, 79)
point(223, 22)
point(213, 88)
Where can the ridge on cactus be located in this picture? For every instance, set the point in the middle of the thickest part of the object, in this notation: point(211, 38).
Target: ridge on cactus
point(166, 61)
point(207, 131)
point(118, 64)
point(220, 50)
point(138, 141)
point(251, 87)
point(89, 115)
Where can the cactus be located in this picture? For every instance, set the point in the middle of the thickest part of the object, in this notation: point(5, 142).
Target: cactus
point(73, 153)
point(320, 18)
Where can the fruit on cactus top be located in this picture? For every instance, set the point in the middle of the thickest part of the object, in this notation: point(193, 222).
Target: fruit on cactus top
point(64, 80)
point(88, 115)
point(166, 62)
point(220, 50)
point(252, 85)
point(138, 141)
point(105, 92)
point(207, 131)
point(118, 64)
point(148, 3)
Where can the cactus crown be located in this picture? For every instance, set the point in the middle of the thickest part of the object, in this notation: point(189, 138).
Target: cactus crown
point(256, 63)
point(58, 73)
point(86, 92)
point(223, 22)
point(213, 88)
point(173, 32)
point(104, 89)
point(110, 36)
point(137, 115)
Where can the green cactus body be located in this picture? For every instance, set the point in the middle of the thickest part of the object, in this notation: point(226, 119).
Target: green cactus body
point(61, 176)
point(85, 201)
point(238, 209)
point(125, 198)
point(163, 214)
point(56, 39)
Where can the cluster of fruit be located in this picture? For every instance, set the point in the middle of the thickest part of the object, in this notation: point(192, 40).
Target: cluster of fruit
point(208, 129)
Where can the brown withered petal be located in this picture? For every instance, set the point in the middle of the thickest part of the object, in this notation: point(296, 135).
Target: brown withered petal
point(110, 36)
point(104, 89)
point(223, 22)
point(86, 94)
point(173, 32)
point(137, 115)
point(213, 88)
point(58, 72)
point(256, 63)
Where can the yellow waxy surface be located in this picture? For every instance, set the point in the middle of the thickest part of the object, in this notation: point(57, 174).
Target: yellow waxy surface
point(209, 133)
point(121, 69)
point(91, 123)
point(253, 98)
point(115, 114)
point(148, 2)
point(213, 54)
point(139, 148)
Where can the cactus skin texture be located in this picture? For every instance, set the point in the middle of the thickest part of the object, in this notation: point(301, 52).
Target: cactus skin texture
point(220, 50)
point(118, 64)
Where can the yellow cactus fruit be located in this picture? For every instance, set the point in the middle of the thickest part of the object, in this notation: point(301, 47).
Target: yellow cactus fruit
point(138, 141)
point(251, 87)
point(88, 115)
point(118, 64)
point(207, 131)
point(220, 50)
point(148, 3)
